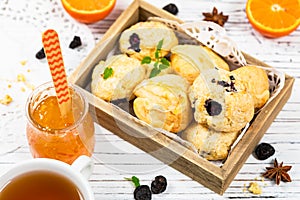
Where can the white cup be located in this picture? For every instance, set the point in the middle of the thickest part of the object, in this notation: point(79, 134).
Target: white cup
point(78, 173)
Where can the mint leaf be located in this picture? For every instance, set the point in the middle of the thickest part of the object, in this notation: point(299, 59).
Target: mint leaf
point(159, 45)
point(154, 72)
point(135, 180)
point(146, 60)
point(157, 54)
point(108, 72)
point(165, 61)
point(162, 66)
point(155, 64)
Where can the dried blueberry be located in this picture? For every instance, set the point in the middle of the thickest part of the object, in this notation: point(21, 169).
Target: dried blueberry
point(159, 185)
point(223, 83)
point(212, 107)
point(264, 151)
point(142, 192)
point(134, 41)
point(171, 8)
point(76, 42)
point(168, 57)
point(40, 54)
point(232, 88)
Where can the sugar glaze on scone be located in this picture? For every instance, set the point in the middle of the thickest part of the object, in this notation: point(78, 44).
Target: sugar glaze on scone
point(142, 38)
point(221, 101)
point(162, 102)
point(210, 144)
point(127, 74)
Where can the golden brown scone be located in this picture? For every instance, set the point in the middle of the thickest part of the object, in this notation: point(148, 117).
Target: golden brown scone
point(257, 83)
point(189, 60)
point(209, 143)
point(127, 73)
point(221, 101)
point(142, 38)
point(219, 62)
point(162, 102)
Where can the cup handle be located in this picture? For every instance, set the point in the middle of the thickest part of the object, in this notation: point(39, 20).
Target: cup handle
point(84, 165)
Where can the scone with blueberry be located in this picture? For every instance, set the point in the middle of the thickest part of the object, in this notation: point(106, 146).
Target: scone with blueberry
point(142, 39)
point(221, 101)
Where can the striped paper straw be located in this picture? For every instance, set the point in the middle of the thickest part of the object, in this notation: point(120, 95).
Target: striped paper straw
point(57, 69)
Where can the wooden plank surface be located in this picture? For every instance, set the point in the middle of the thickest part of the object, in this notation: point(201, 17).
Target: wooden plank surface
point(116, 159)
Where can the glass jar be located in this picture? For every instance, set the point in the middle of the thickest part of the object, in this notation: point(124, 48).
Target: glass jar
point(48, 133)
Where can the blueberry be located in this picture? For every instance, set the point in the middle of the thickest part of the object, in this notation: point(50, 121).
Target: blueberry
point(134, 41)
point(171, 8)
point(168, 57)
point(264, 151)
point(142, 192)
point(159, 185)
point(76, 42)
point(223, 83)
point(212, 107)
point(40, 54)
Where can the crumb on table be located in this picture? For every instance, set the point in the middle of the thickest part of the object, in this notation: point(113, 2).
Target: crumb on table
point(6, 100)
point(255, 188)
point(21, 78)
point(23, 62)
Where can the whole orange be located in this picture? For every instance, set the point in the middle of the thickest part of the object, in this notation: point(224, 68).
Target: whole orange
point(274, 18)
point(88, 11)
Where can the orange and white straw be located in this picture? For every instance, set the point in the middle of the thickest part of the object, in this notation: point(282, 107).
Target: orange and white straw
point(55, 60)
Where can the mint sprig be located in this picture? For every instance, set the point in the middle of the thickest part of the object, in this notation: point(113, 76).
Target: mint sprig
point(108, 72)
point(135, 180)
point(146, 60)
point(161, 63)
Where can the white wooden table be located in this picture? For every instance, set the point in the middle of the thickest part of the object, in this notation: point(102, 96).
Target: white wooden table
point(116, 159)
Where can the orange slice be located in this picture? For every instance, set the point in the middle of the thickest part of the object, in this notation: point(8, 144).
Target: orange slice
point(88, 11)
point(274, 18)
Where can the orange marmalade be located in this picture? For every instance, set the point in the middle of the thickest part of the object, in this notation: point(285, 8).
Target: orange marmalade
point(51, 135)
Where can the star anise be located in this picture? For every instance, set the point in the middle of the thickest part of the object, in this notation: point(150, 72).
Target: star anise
point(279, 172)
point(216, 17)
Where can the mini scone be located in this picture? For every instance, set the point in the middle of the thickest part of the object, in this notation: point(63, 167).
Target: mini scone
point(209, 143)
point(162, 102)
point(127, 73)
point(257, 83)
point(221, 101)
point(142, 38)
point(189, 60)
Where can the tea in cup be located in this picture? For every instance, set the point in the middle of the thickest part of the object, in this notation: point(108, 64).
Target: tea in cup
point(48, 179)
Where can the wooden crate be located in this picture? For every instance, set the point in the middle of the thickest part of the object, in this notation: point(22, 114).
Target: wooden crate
point(149, 140)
